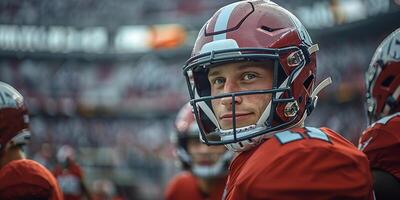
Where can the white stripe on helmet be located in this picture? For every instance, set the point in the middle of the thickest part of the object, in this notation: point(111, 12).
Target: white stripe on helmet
point(222, 21)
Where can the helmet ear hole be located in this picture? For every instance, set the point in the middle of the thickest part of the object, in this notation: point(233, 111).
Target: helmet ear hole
point(207, 124)
point(308, 81)
point(269, 29)
point(281, 75)
point(388, 81)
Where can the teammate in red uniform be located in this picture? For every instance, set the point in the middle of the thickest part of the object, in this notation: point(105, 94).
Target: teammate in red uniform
point(69, 175)
point(254, 69)
point(381, 140)
point(20, 178)
point(205, 167)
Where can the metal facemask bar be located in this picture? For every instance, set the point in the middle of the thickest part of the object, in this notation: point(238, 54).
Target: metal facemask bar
point(370, 78)
point(213, 58)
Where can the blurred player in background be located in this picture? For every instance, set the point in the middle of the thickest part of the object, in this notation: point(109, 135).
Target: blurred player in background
point(104, 189)
point(381, 140)
point(69, 175)
point(45, 155)
point(205, 167)
point(20, 178)
point(254, 72)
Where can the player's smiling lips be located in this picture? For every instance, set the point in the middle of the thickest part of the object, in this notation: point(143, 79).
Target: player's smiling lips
point(205, 163)
point(238, 115)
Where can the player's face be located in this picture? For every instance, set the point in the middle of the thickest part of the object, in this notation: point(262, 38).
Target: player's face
point(202, 154)
point(236, 77)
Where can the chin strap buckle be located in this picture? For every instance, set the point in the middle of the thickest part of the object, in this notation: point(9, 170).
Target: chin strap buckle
point(313, 99)
point(312, 49)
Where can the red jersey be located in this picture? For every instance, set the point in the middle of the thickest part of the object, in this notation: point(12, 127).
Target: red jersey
point(27, 179)
point(381, 143)
point(185, 186)
point(70, 180)
point(301, 163)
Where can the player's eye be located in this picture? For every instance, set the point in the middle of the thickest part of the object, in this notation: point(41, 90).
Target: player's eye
point(218, 81)
point(249, 76)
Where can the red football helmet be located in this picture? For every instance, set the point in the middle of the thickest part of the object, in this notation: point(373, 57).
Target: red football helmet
point(383, 79)
point(256, 31)
point(14, 119)
point(65, 153)
point(185, 129)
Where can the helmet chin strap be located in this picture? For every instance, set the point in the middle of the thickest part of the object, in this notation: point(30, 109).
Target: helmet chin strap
point(321, 86)
point(314, 97)
point(215, 170)
point(183, 155)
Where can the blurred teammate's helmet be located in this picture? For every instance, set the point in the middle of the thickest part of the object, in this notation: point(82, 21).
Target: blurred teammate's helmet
point(14, 119)
point(256, 31)
point(383, 79)
point(186, 129)
point(65, 153)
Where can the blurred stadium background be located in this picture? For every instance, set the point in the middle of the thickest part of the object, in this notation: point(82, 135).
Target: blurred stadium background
point(105, 76)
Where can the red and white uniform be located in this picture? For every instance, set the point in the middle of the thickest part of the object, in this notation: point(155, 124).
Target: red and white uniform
point(301, 163)
point(70, 180)
point(185, 186)
point(27, 179)
point(381, 143)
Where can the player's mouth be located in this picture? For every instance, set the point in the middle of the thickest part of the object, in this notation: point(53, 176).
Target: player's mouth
point(205, 162)
point(228, 117)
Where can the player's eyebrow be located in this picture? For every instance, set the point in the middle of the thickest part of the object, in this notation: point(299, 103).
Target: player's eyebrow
point(241, 67)
point(214, 73)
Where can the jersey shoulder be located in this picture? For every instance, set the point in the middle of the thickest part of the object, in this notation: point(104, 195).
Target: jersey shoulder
point(390, 119)
point(313, 157)
point(381, 143)
point(307, 142)
point(30, 171)
point(26, 178)
point(183, 178)
point(381, 134)
point(182, 184)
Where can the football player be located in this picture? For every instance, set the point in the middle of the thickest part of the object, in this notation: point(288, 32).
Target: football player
point(205, 167)
point(69, 175)
point(20, 178)
point(253, 67)
point(381, 140)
